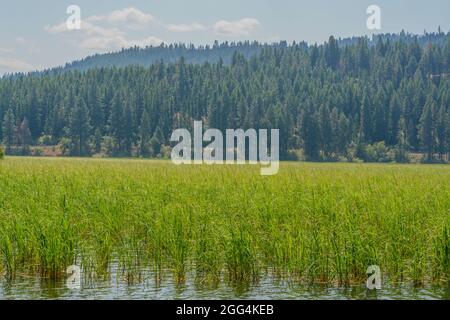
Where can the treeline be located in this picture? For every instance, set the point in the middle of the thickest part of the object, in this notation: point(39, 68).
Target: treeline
point(375, 100)
point(172, 53)
point(169, 54)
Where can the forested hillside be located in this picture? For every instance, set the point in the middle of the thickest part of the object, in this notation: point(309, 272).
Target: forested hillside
point(376, 100)
point(218, 51)
point(167, 53)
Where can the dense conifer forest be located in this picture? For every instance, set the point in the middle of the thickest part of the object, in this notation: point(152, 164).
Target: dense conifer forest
point(379, 99)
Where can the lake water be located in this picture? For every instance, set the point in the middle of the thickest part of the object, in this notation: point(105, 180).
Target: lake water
point(149, 289)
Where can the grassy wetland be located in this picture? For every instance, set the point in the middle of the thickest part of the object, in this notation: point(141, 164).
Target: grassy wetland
point(311, 223)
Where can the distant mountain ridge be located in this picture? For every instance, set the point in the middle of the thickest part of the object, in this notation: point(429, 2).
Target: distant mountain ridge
point(218, 51)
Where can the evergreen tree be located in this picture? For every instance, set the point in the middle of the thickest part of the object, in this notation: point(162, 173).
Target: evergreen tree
point(363, 59)
point(441, 132)
point(447, 125)
point(97, 142)
point(24, 133)
point(401, 152)
point(145, 135)
point(311, 135)
point(364, 134)
point(394, 118)
point(332, 54)
point(9, 126)
point(155, 145)
point(326, 132)
point(344, 135)
point(426, 131)
point(129, 130)
point(79, 128)
point(116, 122)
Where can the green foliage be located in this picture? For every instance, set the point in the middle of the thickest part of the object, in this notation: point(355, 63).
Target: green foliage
point(2, 153)
point(155, 146)
point(38, 152)
point(45, 140)
point(79, 129)
point(97, 141)
point(324, 99)
point(311, 223)
point(109, 146)
point(65, 144)
point(8, 127)
point(145, 134)
point(378, 152)
point(401, 155)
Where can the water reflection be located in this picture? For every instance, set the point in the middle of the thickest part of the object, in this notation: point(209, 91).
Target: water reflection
point(152, 287)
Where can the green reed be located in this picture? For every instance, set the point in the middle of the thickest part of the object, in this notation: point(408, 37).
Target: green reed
point(314, 223)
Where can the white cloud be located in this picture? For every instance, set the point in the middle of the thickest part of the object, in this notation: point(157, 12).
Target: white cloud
point(119, 42)
point(106, 31)
point(95, 37)
point(243, 27)
point(186, 27)
point(59, 28)
point(149, 41)
point(87, 28)
point(127, 15)
point(15, 65)
point(21, 40)
point(6, 50)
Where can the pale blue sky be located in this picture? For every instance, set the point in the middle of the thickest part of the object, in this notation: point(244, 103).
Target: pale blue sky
point(33, 36)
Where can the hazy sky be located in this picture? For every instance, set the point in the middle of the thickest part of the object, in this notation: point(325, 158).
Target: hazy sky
point(34, 35)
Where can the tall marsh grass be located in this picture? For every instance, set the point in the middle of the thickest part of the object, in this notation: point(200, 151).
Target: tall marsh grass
point(315, 223)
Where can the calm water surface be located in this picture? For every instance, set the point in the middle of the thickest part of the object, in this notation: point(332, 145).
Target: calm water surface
point(149, 288)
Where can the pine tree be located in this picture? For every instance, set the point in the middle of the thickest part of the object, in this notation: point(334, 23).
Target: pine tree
point(326, 132)
point(364, 134)
point(79, 128)
point(128, 127)
point(314, 56)
point(155, 144)
point(332, 53)
point(311, 135)
point(144, 135)
point(116, 121)
point(9, 126)
point(98, 139)
point(334, 133)
point(426, 131)
point(344, 135)
point(447, 125)
point(363, 59)
point(394, 118)
point(24, 134)
point(98, 113)
point(401, 153)
point(441, 132)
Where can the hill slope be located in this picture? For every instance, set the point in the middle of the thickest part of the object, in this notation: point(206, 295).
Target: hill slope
point(213, 54)
point(374, 101)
